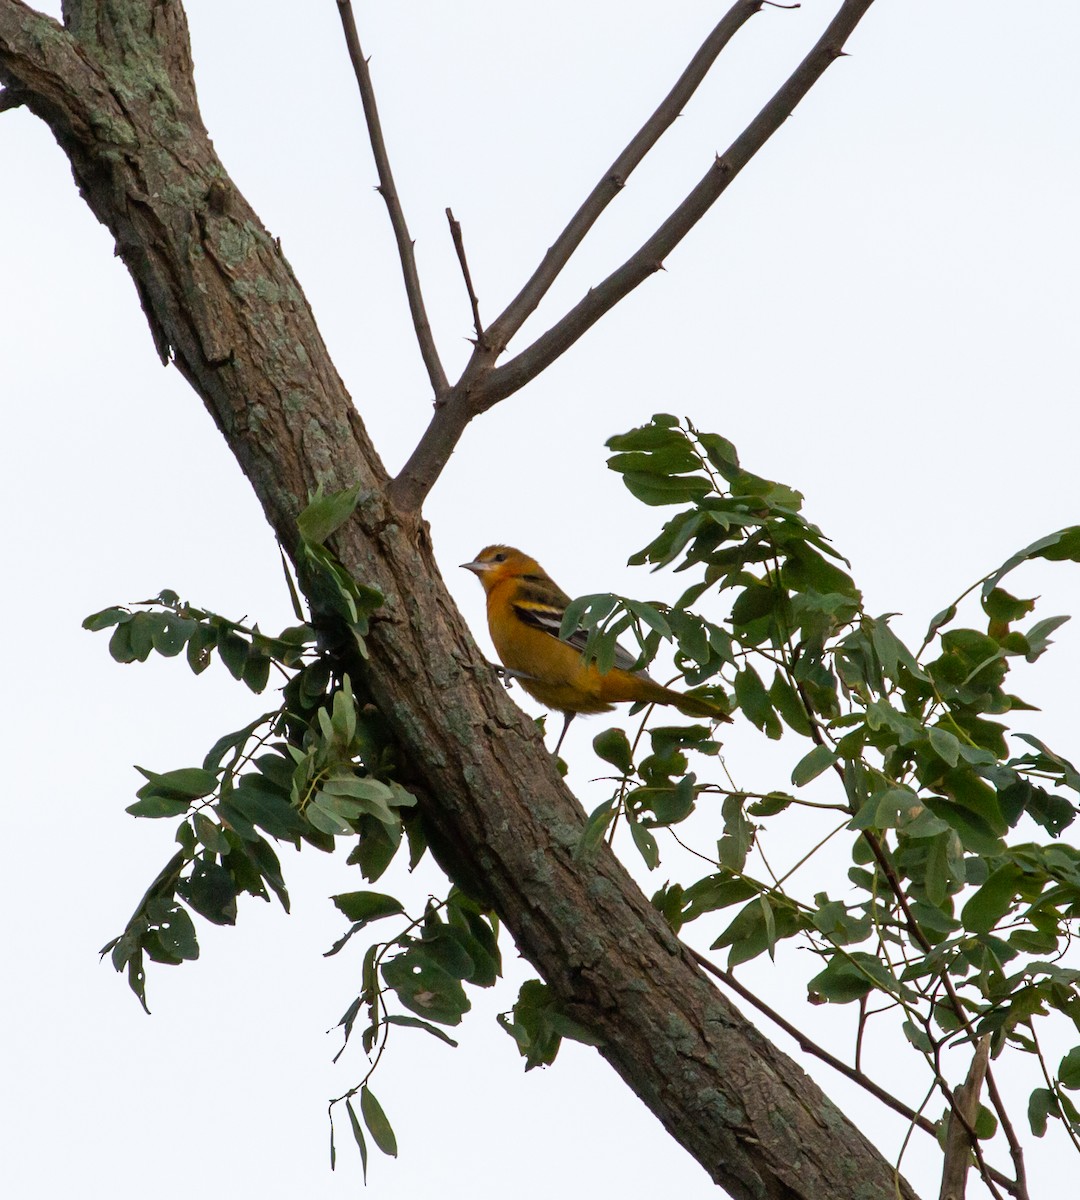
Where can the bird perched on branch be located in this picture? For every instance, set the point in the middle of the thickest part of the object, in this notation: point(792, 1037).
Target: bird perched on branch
point(525, 610)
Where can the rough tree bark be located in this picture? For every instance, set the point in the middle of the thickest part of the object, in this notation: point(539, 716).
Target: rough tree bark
point(115, 87)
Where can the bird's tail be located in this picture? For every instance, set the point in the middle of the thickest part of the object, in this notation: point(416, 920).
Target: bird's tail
point(689, 705)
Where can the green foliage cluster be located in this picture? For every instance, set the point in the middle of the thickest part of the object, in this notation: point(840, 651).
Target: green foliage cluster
point(318, 768)
point(961, 897)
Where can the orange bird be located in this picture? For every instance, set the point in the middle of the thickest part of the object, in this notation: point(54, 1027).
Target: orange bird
point(525, 609)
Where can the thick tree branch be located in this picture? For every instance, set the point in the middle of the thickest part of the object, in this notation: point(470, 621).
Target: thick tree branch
point(193, 245)
point(440, 385)
point(482, 386)
point(503, 328)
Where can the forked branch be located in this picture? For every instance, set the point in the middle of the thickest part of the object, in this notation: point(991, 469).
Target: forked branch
point(483, 384)
point(614, 178)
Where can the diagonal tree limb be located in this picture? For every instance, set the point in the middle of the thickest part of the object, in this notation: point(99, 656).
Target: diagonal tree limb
point(440, 385)
point(483, 386)
point(192, 243)
point(503, 328)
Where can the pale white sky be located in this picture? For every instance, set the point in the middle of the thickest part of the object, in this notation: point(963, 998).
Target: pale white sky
point(881, 312)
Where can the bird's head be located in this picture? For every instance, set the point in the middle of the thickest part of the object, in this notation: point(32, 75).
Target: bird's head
point(496, 563)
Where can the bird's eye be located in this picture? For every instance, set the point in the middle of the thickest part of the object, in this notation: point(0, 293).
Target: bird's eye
point(500, 557)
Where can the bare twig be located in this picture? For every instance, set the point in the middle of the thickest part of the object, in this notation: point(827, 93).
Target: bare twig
point(483, 385)
point(406, 249)
point(958, 1143)
point(459, 247)
point(614, 178)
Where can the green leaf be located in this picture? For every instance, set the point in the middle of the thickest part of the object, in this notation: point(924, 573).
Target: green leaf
point(811, 765)
point(211, 892)
point(1059, 546)
point(976, 835)
point(416, 1023)
point(325, 514)
point(376, 848)
point(753, 699)
point(106, 619)
point(942, 619)
point(425, 988)
point(171, 635)
point(734, 846)
point(1038, 636)
point(673, 459)
point(234, 652)
point(1041, 1104)
point(658, 490)
point(1068, 1071)
point(378, 1125)
point(985, 1123)
point(770, 804)
point(120, 643)
point(789, 705)
point(158, 806)
point(358, 1138)
point(850, 977)
point(650, 615)
point(188, 783)
point(946, 745)
point(265, 806)
point(256, 672)
point(613, 746)
point(646, 845)
point(993, 900)
point(230, 741)
point(593, 833)
point(721, 452)
point(446, 947)
point(364, 907)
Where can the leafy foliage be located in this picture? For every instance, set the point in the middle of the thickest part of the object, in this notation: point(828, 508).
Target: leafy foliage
point(318, 768)
point(962, 898)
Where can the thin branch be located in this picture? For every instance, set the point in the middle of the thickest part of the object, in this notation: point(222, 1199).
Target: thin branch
point(649, 258)
point(1016, 1151)
point(459, 247)
point(387, 189)
point(482, 386)
point(812, 1048)
point(614, 178)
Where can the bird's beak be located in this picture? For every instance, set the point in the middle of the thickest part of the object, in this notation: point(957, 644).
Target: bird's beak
point(477, 567)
